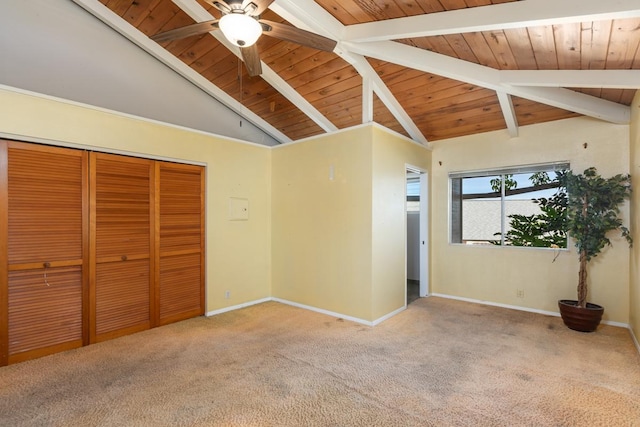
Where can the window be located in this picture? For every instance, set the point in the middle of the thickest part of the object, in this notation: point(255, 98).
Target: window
point(413, 192)
point(523, 206)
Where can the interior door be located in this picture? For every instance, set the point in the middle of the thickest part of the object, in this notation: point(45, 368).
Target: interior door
point(424, 234)
point(43, 282)
point(181, 241)
point(121, 251)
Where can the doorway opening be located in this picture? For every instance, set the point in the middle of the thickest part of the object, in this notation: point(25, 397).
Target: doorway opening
point(416, 234)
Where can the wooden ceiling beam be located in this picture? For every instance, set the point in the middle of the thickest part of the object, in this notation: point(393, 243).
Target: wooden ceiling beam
point(308, 15)
point(298, 100)
point(384, 94)
point(509, 113)
point(576, 102)
point(601, 79)
point(489, 78)
point(541, 86)
point(503, 16)
point(367, 101)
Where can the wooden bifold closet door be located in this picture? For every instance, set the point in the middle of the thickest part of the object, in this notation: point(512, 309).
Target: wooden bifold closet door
point(43, 274)
point(180, 242)
point(94, 246)
point(122, 241)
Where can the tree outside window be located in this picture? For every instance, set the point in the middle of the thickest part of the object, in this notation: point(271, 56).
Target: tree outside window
point(523, 206)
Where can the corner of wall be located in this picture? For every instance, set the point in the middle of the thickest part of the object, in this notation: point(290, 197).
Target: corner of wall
point(634, 262)
point(392, 153)
point(543, 277)
point(321, 234)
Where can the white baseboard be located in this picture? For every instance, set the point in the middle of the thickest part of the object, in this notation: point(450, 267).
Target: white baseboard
point(388, 316)
point(534, 310)
point(237, 307)
point(517, 307)
point(634, 338)
point(612, 323)
point(306, 307)
point(393, 313)
point(323, 311)
point(496, 304)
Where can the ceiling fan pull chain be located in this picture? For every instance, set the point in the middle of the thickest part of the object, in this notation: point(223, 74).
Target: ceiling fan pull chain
point(240, 78)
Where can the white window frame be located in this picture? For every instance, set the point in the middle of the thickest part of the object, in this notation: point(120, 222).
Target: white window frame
point(513, 170)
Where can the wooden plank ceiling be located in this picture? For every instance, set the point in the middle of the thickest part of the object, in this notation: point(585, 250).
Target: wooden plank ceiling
point(429, 69)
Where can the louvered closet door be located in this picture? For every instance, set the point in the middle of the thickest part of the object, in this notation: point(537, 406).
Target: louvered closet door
point(43, 281)
point(121, 246)
point(181, 242)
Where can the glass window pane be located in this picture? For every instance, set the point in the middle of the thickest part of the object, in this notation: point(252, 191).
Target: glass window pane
point(532, 211)
point(481, 209)
point(413, 188)
point(533, 216)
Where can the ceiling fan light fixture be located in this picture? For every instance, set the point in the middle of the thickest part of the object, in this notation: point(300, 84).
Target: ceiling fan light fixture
point(240, 29)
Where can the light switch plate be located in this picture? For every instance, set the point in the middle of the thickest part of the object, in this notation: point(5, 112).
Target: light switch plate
point(238, 209)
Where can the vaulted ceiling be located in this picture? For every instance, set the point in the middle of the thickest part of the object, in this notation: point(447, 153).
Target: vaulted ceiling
point(428, 69)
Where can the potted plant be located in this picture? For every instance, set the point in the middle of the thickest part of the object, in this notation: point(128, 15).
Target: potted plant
point(592, 212)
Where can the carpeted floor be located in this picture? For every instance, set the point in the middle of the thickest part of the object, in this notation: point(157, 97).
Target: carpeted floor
point(439, 363)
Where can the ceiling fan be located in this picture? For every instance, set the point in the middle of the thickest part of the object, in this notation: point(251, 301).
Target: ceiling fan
point(242, 26)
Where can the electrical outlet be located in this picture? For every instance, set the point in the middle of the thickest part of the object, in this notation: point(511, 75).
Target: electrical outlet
point(520, 293)
point(227, 294)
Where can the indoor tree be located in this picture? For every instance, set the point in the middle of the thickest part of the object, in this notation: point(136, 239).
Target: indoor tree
point(593, 207)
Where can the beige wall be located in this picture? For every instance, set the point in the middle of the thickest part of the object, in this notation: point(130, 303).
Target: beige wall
point(391, 154)
point(323, 233)
point(339, 245)
point(322, 227)
point(238, 252)
point(634, 284)
point(495, 274)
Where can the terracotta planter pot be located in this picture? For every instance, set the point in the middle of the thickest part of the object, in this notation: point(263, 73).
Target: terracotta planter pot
point(578, 318)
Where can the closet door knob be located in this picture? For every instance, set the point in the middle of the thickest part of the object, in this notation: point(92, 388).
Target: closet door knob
point(124, 257)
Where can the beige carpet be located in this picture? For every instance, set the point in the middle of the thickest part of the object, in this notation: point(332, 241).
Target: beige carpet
point(440, 363)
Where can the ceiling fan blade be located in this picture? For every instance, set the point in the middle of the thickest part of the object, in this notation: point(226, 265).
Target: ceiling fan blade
point(222, 6)
point(296, 35)
point(189, 30)
point(251, 59)
point(262, 5)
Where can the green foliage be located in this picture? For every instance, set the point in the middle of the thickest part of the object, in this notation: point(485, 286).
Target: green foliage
point(509, 183)
point(543, 230)
point(586, 206)
point(593, 209)
point(540, 178)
